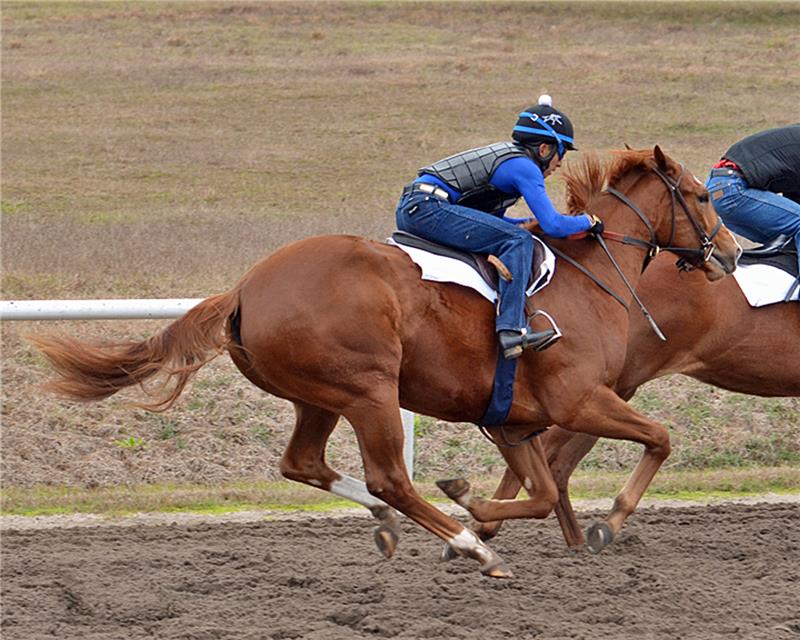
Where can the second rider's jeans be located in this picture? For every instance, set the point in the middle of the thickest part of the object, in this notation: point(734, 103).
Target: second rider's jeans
point(757, 215)
point(471, 230)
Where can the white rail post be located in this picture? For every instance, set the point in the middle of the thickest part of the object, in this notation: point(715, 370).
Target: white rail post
point(142, 309)
point(408, 440)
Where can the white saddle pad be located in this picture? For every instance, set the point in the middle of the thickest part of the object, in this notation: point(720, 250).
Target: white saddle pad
point(443, 269)
point(763, 284)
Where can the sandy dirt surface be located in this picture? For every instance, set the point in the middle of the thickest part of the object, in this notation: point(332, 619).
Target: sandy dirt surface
point(727, 570)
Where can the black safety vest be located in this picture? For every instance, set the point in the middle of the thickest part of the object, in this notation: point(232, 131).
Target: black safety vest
point(770, 160)
point(469, 173)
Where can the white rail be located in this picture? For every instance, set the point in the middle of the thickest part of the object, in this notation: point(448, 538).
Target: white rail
point(141, 309)
point(95, 309)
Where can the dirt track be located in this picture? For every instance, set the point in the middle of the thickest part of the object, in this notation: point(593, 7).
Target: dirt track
point(720, 571)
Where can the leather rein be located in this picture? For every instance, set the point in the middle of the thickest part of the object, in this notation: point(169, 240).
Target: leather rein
point(688, 258)
point(692, 258)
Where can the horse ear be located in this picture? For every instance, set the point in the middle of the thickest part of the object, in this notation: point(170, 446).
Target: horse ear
point(628, 147)
point(661, 159)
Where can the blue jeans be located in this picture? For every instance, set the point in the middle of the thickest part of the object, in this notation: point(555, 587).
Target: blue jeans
point(472, 230)
point(757, 215)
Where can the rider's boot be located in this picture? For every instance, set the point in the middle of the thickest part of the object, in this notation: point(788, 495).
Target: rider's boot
point(514, 342)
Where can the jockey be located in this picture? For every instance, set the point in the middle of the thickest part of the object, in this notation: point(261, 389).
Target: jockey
point(755, 187)
point(461, 201)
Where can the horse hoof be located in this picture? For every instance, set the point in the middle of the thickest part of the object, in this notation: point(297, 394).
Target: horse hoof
point(454, 488)
point(448, 553)
point(497, 570)
point(386, 540)
point(599, 536)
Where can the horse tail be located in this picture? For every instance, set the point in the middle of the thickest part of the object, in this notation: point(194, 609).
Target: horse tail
point(90, 372)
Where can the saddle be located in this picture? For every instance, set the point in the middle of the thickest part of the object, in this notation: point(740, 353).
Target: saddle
point(780, 253)
point(488, 267)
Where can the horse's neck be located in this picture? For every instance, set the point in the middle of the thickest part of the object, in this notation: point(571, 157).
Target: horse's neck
point(618, 219)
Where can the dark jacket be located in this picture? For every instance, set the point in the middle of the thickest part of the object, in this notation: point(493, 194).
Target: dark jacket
point(770, 160)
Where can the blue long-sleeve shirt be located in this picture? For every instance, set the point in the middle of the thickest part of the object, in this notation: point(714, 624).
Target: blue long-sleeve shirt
point(523, 177)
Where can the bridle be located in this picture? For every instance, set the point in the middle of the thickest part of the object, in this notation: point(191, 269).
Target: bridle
point(689, 259)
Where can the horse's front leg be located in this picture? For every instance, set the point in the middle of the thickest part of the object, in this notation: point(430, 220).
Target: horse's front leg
point(566, 452)
point(553, 440)
point(605, 414)
point(529, 464)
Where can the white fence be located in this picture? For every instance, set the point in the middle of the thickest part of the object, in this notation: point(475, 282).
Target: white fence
point(145, 308)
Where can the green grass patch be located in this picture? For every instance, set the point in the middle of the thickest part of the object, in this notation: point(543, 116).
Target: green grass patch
point(286, 496)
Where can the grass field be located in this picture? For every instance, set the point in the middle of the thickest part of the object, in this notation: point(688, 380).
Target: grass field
point(159, 149)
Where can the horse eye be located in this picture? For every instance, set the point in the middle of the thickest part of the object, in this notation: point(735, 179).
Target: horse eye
point(703, 197)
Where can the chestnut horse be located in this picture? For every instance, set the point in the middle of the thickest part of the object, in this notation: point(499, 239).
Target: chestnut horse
point(344, 326)
point(714, 336)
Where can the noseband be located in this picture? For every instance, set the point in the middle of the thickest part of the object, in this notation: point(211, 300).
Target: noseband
point(688, 258)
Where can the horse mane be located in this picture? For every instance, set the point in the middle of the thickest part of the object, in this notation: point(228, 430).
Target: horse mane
point(586, 179)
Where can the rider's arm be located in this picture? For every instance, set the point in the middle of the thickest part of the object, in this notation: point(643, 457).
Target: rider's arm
point(521, 175)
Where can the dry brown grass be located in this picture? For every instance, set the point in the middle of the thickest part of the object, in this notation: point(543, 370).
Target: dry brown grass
point(155, 149)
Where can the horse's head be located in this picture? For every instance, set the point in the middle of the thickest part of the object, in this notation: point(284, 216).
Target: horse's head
point(674, 205)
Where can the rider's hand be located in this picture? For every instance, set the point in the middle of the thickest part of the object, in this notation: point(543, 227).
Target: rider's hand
point(597, 225)
point(596, 228)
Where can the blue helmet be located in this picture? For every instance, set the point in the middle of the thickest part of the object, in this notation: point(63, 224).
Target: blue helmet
point(545, 124)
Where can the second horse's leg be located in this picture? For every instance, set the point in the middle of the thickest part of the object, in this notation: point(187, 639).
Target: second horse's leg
point(564, 458)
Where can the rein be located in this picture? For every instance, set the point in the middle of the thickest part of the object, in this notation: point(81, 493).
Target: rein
point(685, 263)
point(689, 258)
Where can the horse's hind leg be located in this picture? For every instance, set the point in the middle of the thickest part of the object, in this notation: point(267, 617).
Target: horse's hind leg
point(304, 461)
point(507, 489)
point(379, 429)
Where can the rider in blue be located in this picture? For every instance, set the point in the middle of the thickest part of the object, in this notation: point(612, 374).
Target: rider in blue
point(755, 187)
point(461, 201)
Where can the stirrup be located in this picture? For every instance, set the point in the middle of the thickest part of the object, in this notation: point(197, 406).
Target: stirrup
point(513, 343)
point(553, 338)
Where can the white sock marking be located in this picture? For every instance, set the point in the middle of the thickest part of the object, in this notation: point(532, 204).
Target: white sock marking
point(355, 490)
